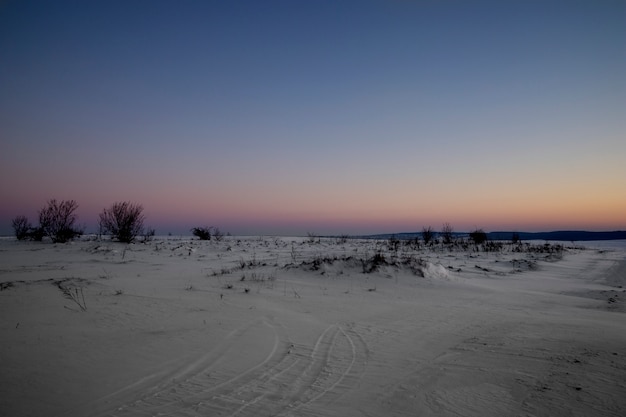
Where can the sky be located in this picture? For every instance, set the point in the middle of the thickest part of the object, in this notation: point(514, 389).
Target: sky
point(325, 117)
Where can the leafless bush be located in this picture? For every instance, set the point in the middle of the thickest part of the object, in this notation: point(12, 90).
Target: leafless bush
point(478, 236)
point(342, 239)
point(123, 221)
point(21, 227)
point(414, 243)
point(148, 235)
point(218, 235)
point(446, 233)
point(57, 220)
point(206, 233)
point(428, 235)
point(393, 243)
point(372, 264)
point(312, 237)
point(493, 246)
point(37, 234)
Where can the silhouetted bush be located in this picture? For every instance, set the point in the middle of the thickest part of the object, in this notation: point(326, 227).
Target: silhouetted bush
point(123, 221)
point(493, 246)
point(414, 243)
point(36, 233)
point(312, 237)
point(148, 235)
point(56, 220)
point(204, 233)
point(446, 233)
point(218, 235)
point(393, 243)
point(478, 236)
point(371, 264)
point(21, 227)
point(342, 239)
point(428, 235)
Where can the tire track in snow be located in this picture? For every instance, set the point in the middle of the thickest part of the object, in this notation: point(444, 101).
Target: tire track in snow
point(164, 388)
point(286, 380)
point(338, 362)
point(302, 377)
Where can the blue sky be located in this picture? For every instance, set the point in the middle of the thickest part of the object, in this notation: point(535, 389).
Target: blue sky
point(323, 116)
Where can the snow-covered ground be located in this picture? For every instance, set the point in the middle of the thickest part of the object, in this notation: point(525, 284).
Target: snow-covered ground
point(275, 326)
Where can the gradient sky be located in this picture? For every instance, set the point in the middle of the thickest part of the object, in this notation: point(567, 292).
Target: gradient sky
point(288, 117)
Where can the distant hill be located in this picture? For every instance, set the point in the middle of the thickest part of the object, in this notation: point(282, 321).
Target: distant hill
point(561, 235)
point(567, 235)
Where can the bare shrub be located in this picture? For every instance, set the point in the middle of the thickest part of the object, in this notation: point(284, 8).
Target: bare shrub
point(478, 236)
point(428, 235)
point(493, 246)
point(342, 239)
point(372, 264)
point(312, 237)
point(218, 235)
point(393, 243)
point(148, 235)
point(57, 220)
point(123, 221)
point(21, 227)
point(414, 243)
point(204, 233)
point(37, 234)
point(446, 233)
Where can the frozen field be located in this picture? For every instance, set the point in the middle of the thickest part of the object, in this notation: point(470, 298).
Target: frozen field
point(310, 327)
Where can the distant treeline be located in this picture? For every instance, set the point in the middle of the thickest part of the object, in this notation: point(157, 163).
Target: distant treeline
point(563, 235)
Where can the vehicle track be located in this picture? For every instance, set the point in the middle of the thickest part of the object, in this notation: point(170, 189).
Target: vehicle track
point(282, 379)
